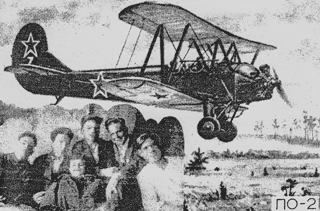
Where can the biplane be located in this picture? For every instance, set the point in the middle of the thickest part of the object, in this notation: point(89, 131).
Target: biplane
point(214, 80)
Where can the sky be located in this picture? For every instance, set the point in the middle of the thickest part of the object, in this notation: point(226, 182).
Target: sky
point(88, 35)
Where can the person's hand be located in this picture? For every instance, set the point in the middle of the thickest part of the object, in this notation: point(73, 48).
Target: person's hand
point(112, 192)
point(108, 172)
point(2, 199)
point(38, 196)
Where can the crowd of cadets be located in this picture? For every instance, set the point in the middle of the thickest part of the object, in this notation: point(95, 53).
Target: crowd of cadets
point(83, 176)
point(91, 173)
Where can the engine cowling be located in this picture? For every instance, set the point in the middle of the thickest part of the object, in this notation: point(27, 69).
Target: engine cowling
point(208, 127)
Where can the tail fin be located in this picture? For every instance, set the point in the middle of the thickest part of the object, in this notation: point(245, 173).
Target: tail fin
point(31, 47)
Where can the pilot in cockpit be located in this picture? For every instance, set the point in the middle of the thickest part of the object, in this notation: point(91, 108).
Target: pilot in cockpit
point(265, 69)
point(198, 65)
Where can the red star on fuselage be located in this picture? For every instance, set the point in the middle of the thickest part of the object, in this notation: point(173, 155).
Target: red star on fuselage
point(98, 86)
point(30, 45)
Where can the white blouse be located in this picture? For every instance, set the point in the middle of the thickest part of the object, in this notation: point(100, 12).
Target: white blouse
point(161, 186)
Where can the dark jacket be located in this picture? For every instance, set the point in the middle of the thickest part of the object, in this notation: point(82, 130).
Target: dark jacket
point(105, 153)
point(133, 163)
point(68, 193)
point(18, 180)
point(44, 166)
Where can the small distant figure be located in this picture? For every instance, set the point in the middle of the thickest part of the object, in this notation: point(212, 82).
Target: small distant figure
point(305, 191)
point(265, 172)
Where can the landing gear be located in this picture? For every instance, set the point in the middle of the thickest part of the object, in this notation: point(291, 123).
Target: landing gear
point(208, 127)
point(228, 132)
point(212, 126)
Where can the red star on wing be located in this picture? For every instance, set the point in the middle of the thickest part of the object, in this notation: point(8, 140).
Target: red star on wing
point(30, 45)
point(98, 83)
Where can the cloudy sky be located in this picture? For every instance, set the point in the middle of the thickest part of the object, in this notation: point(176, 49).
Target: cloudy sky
point(89, 35)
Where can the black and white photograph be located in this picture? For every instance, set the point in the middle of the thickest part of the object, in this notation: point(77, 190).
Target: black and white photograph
point(159, 105)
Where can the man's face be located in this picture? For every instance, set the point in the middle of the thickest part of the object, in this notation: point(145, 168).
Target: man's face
point(77, 167)
point(91, 130)
point(59, 144)
point(117, 135)
point(25, 146)
point(150, 152)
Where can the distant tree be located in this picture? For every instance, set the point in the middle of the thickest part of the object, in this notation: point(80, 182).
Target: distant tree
point(197, 163)
point(305, 122)
point(296, 125)
point(316, 174)
point(317, 131)
point(284, 127)
point(290, 130)
point(275, 126)
point(258, 127)
point(290, 186)
point(311, 125)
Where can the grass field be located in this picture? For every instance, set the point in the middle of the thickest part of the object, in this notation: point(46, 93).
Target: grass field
point(247, 191)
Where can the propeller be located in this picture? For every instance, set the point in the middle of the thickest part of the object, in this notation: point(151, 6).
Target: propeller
point(280, 89)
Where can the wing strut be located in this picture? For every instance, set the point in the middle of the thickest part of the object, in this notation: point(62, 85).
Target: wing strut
point(185, 31)
point(255, 56)
point(135, 45)
point(124, 44)
point(235, 55)
point(214, 54)
point(199, 41)
point(150, 49)
point(162, 49)
point(174, 61)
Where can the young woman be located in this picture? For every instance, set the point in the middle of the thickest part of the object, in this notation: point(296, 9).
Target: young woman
point(76, 190)
point(160, 181)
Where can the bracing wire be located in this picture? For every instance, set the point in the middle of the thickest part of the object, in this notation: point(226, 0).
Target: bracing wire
point(200, 42)
point(125, 42)
point(135, 45)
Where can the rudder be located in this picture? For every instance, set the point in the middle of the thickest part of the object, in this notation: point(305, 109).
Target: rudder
point(31, 47)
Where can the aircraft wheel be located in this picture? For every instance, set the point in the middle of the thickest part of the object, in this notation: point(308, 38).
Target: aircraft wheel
point(228, 132)
point(208, 127)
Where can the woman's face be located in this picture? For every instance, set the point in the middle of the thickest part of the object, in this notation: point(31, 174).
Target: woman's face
point(91, 130)
point(25, 146)
point(77, 167)
point(150, 152)
point(59, 144)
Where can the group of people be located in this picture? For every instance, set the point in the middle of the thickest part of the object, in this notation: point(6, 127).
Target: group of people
point(91, 173)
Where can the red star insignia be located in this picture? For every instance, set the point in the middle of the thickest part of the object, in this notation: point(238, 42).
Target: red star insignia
point(30, 45)
point(98, 86)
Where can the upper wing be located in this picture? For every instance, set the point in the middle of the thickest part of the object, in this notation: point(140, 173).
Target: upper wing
point(148, 16)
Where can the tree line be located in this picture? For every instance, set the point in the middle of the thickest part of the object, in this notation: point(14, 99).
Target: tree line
point(303, 130)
